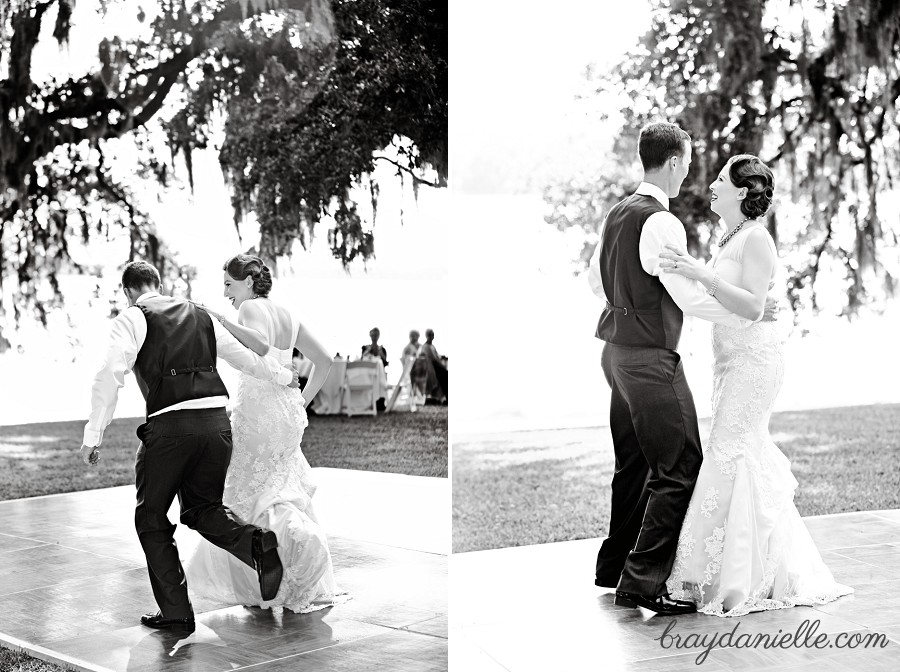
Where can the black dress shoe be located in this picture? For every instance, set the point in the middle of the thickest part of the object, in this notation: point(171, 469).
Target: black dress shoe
point(267, 563)
point(157, 620)
point(662, 604)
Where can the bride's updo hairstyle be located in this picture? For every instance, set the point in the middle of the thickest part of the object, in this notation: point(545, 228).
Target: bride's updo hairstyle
point(242, 266)
point(746, 170)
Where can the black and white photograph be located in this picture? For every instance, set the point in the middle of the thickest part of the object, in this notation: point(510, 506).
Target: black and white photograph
point(242, 240)
point(225, 335)
point(675, 428)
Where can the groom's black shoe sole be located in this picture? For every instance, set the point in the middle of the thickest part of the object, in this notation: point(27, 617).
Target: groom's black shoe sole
point(659, 605)
point(267, 563)
point(157, 621)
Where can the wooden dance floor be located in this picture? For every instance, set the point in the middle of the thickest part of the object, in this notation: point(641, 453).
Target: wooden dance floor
point(536, 608)
point(73, 585)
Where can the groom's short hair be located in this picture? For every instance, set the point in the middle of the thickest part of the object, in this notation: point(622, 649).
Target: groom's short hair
point(660, 141)
point(138, 274)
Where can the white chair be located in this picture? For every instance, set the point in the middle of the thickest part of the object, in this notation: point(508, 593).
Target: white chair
point(360, 381)
point(401, 398)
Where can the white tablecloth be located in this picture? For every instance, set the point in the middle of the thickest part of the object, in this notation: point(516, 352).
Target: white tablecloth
point(381, 383)
point(328, 400)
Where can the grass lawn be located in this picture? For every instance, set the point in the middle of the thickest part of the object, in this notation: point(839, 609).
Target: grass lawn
point(538, 487)
point(43, 458)
point(18, 661)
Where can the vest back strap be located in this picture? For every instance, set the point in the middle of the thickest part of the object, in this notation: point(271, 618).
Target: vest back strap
point(629, 311)
point(193, 369)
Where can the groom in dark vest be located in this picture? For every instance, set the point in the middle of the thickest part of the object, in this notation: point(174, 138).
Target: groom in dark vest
point(172, 346)
point(652, 416)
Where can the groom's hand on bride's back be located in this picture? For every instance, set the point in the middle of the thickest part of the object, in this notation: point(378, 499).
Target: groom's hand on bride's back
point(295, 378)
point(770, 312)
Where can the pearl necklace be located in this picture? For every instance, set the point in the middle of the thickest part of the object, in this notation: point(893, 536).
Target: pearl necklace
point(729, 236)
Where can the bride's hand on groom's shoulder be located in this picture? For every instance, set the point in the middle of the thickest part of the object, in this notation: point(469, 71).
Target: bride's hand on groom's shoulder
point(90, 455)
point(213, 314)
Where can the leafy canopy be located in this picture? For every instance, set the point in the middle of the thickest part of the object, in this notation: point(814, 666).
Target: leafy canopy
point(307, 94)
point(812, 88)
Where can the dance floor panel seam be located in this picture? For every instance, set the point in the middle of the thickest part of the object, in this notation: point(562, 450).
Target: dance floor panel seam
point(497, 624)
point(75, 594)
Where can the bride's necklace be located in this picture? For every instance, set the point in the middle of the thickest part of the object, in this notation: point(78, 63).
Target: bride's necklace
point(729, 236)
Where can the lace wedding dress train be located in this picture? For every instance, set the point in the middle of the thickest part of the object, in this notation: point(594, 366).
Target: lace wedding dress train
point(743, 546)
point(270, 484)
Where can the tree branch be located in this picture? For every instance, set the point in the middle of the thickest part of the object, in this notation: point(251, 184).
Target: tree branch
point(406, 169)
point(26, 30)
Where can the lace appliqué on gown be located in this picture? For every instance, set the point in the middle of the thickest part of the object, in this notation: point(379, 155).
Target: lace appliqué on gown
point(743, 546)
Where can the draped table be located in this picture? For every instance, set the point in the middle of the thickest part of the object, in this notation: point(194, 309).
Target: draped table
point(328, 400)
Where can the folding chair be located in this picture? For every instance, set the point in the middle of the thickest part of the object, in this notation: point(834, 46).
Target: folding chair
point(359, 388)
point(403, 384)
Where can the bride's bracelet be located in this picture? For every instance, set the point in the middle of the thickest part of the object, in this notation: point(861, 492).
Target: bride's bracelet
point(714, 286)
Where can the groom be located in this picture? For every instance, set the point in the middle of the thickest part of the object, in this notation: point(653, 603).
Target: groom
point(172, 345)
point(652, 417)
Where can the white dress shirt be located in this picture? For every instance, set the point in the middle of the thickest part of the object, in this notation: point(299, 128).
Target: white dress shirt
point(129, 331)
point(689, 295)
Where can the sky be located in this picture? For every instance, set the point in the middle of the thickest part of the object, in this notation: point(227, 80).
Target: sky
point(516, 68)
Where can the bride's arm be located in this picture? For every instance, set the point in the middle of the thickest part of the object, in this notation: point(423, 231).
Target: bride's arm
point(319, 356)
point(250, 329)
point(748, 300)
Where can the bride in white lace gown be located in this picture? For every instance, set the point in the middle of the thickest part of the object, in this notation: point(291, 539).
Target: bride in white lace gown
point(743, 546)
point(269, 481)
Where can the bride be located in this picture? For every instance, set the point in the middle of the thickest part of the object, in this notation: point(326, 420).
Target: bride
point(269, 478)
point(743, 546)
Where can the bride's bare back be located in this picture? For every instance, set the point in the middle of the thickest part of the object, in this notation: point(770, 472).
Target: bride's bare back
point(276, 323)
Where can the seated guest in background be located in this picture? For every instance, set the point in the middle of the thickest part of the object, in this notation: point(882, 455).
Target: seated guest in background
point(430, 372)
point(428, 348)
point(412, 348)
point(373, 348)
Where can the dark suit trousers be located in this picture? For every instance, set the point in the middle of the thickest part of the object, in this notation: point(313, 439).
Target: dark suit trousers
point(658, 455)
point(184, 454)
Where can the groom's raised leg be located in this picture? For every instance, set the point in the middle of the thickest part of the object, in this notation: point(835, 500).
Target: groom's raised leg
point(203, 485)
point(202, 508)
point(665, 422)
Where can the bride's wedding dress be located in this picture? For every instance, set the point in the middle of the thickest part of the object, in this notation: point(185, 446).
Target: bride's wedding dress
point(743, 546)
point(269, 484)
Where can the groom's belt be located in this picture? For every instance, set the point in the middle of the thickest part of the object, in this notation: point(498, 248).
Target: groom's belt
point(193, 369)
point(636, 311)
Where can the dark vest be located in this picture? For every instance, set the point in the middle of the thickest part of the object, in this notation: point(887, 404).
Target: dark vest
point(639, 311)
point(177, 361)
